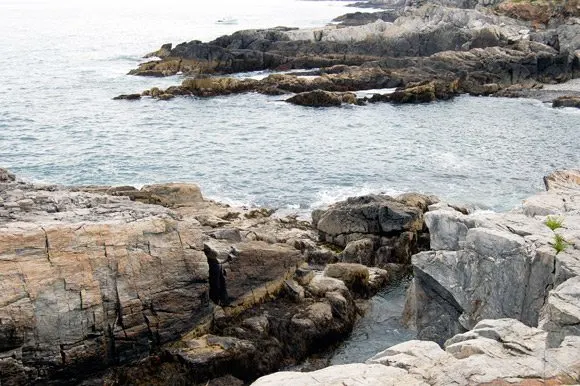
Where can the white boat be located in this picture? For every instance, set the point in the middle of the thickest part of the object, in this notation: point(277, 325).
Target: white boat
point(227, 20)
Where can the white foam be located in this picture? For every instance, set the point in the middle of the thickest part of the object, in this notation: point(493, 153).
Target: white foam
point(370, 93)
point(328, 197)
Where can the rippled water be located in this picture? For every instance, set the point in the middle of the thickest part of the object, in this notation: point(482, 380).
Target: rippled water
point(61, 62)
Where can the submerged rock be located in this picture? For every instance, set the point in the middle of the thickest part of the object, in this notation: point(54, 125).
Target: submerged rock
point(129, 97)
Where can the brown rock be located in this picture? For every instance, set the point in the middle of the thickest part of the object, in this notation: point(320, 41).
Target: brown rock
point(174, 195)
point(355, 276)
point(6, 176)
point(567, 101)
point(319, 98)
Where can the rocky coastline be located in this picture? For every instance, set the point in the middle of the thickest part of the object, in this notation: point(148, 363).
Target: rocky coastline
point(427, 50)
point(114, 285)
point(123, 286)
point(495, 302)
point(130, 285)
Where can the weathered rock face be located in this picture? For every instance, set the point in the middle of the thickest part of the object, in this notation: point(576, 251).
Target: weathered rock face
point(89, 279)
point(89, 276)
point(375, 230)
point(306, 318)
point(496, 352)
point(489, 265)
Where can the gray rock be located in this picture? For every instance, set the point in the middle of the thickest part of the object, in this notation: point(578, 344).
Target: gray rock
point(229, 234)
point(303, 275)
point(495, 265)
point(359, 251)
point(320, 285)
point(294, 290)
point(351, 374)
point(561, 314)
point(494, 352)
point(447, 228)
point(355, 276)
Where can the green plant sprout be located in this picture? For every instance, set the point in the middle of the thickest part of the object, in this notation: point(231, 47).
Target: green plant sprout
point(554, 222)
point(559, 243)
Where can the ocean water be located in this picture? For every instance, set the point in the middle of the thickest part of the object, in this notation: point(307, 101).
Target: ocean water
point(61, 62)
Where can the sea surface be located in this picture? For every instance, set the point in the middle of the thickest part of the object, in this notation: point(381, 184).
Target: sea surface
point(61, 62)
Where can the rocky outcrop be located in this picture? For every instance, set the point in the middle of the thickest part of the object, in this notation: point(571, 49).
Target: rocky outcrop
point(361, 18)
point(90, 275)
point(567, 101)
point(418, 32)
point(320, 98)
point(447, 46)
point(375, 230)
point(90, 279)
point(495, 352)
point(490, 265)
point(479, 71)
point(312, 312)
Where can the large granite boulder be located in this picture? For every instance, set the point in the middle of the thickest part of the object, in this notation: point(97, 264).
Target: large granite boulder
point(89, 281)
point(561, 314)
point(490, 265)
